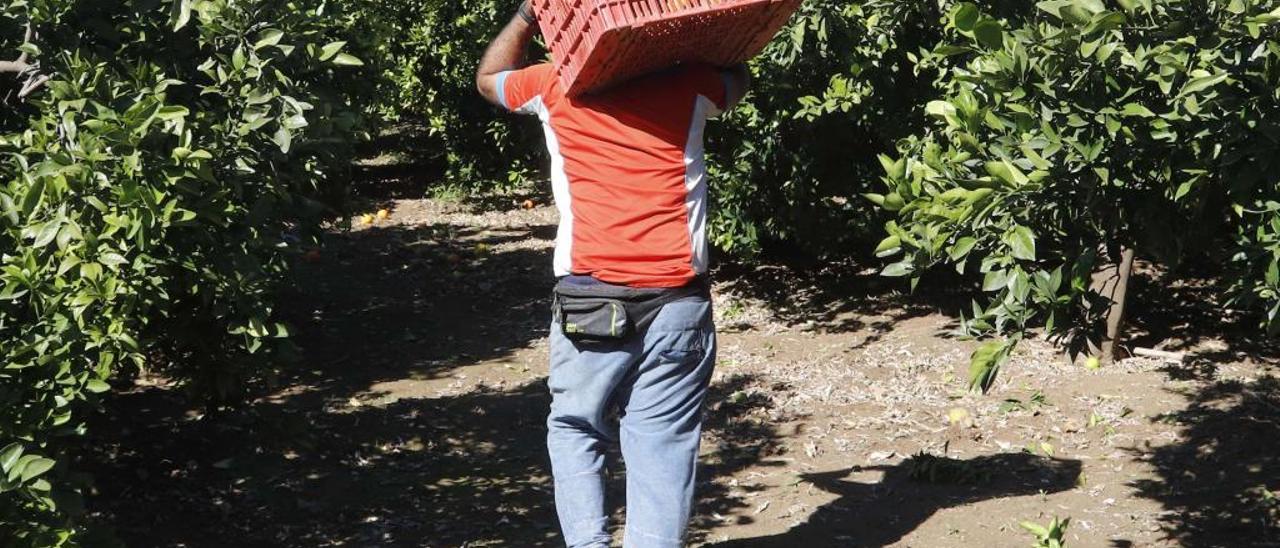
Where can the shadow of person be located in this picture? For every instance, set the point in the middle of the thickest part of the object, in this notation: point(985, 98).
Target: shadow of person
point(909, 493)
point(1218, 481)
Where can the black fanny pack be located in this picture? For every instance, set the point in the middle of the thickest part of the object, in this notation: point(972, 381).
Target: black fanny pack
point(602, 312)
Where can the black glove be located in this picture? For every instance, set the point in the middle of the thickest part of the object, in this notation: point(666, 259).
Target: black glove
point(526, 12)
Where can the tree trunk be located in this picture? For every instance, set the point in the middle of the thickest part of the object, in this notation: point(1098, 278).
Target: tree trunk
point(1112, 282)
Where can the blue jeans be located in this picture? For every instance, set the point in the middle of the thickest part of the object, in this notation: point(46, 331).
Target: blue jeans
point(656, 381)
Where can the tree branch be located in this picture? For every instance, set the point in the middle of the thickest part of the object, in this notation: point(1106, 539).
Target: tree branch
point(35, 83)
point(15, 67)
point(20, 67)
point(31, 35)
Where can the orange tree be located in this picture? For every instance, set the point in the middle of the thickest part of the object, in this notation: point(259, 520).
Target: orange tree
point(1070, 135)
point(160, 162)
point(433, 48)
point(833, 90)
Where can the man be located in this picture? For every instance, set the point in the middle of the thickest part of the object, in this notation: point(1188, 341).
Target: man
point(632, 331)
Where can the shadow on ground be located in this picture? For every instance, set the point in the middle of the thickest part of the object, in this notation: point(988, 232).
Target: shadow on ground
point(438, 472)
point(400, 163)
point(421, 472)
point(309, 462)
point(325, 458)
point(1219, 482)
point(909, 493)
point(841, 296)
point(391, 303)
point(1189, 314)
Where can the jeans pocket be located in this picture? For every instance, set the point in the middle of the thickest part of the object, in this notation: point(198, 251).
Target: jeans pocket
point(684, 347)
point(682, 357)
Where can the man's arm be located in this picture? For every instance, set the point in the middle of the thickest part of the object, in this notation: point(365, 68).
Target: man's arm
point(506, 52)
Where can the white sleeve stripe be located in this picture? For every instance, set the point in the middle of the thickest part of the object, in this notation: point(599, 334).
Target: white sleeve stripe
point(502, 88)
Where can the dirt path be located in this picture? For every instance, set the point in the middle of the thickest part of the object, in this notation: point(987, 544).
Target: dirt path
point(838, 418)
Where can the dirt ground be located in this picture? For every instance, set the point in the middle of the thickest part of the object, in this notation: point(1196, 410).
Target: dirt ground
point(839, 415)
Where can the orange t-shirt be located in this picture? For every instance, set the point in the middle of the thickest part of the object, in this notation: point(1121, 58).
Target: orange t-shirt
point(627, 170)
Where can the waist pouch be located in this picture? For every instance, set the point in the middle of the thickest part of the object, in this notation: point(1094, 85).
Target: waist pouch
point(602, 312)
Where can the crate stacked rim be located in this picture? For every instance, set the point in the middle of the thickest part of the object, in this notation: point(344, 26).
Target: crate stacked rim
point(597, 43)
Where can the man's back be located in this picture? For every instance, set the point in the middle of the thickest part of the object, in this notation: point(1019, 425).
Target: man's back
point(627, 170)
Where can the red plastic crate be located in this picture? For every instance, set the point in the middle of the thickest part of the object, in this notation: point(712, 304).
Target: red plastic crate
point(596, 43)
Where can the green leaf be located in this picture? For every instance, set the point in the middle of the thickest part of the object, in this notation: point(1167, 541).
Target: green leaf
point(893, 202)
point(238, 59)
point(1105, 22)
point(1035, 529)
point(995, 280)
point(898, 270)
point(965, 16)
point(46, 234)
point(984, 364)
point(1136, 109)
point(1183, 190)
point(1128, 5)
point(90, 270)
point(172, 112)
point(9, 455)
point(257, 97)
point(15, 472)
point(283, 138)
point(1022, 242)
point(347, 60)
point(890, 202)
point(295, 122)
point(33, 197)
point(889, 246)
point(961, 248)
point(97, 386)
point(1006, 172)
point(112, 259)
point(940, 109)
point(894, 169)
point(330, 50)
point(989, 33)
point(268, 38)
point(181, 14)
point(1202, 83)
point(1093, 7)
point(257, 328)
point(35, 468)
point(9, 209)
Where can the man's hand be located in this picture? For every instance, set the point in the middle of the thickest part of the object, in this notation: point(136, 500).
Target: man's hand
point(506, 52)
